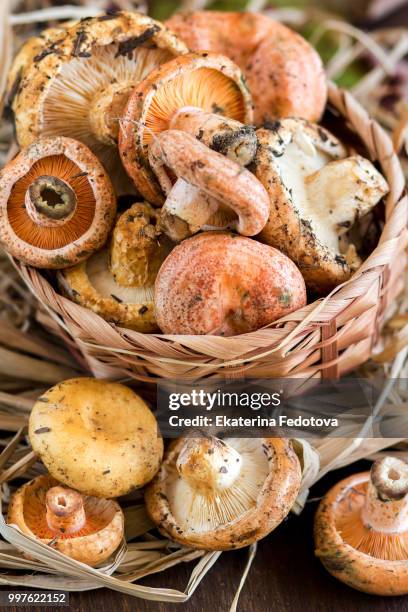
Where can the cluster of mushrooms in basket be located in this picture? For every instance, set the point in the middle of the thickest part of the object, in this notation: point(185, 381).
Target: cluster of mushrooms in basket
point(233, 201)
point(177, 180)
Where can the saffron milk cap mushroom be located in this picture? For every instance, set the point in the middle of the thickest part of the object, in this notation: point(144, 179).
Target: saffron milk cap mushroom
point(361, 529)
point(78, 85)
point(223, 494)
point(223, 284)
point(316, 195)
point(118, 282)
point(97, 437)
point(217, 178)
point(203, 94)
point(57, 204)
point(284, 73)
point(85, 528)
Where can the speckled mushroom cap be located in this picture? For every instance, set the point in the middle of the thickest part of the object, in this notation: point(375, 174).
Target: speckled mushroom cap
point(223, 494)
point(97, 538)
point(78, 82)
point(56, 204)
point(361, 529)
point(207, 81)
point(97, 437)
point(315, 198)
point(118, 282)
point(284, 73)
point(224, 284)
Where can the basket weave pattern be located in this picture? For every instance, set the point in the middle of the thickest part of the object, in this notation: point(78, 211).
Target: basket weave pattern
point(326, 338)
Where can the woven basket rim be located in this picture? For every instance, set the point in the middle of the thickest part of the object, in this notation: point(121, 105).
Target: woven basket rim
point(278, 334)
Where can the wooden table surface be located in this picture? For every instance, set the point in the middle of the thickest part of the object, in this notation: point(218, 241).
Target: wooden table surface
point(285, 577)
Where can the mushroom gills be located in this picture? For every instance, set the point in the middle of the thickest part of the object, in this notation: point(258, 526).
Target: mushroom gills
point(329, 194)
point(101, 278)
point(204, 499)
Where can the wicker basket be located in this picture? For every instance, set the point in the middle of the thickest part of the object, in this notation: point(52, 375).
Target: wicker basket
point(325, 339)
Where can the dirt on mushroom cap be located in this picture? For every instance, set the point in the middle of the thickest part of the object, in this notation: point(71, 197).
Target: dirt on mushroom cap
point(97, 437)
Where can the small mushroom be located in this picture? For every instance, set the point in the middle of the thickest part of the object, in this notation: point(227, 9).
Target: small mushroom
point(220, 495)
point(203, 94)
point(361, 529)
point(56, 204)
point(316, 195)
point(118, 282)
point(284, 73)
point(85, 528)
point(224, 284)
point(78, 83)
point(95, 436)
point(216, 178)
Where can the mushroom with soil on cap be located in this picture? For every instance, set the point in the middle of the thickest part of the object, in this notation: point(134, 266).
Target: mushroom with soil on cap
point(219, 180)
point(118, 282)
point(57, 204)
point(316, 195)
point(223, 494)
point(85, 528)
point(224, 284)
point(284, 73)
point(97, 437)
point(361, 529)
point(203, 94)
point(78, 83)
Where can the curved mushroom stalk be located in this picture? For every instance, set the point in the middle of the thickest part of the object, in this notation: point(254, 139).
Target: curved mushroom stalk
point(223, 494)
point(227, 136)
point(118, 282)
point(215, 175)
point(361, 529)
point(316, 196)
point(202, 94)
point(86, 528)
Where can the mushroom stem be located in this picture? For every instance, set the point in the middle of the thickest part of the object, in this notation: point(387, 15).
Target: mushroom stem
point(347, 189)
point(208, 464)
point(186, 210)
point(386, 504)
point(50, 200)
point(222, 134)
point(105, 111)
point(65, 511)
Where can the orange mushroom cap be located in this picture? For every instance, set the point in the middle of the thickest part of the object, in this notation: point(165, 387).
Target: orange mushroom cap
point(224, 284)
point(85, 528)
point(361, 529)
point(284, 73)
point(56, 204)
point(206, 81)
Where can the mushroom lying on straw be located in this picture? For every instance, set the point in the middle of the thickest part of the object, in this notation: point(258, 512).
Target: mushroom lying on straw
point(224, 284)
point(361, 529)
point(97, 437)
point(220, 495)
point(201, 93)
point(316, 196)
point(284, 73)
point(56, 203)
point(78, 83)
point(85, 528)
point(118, 282)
